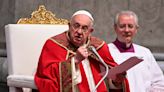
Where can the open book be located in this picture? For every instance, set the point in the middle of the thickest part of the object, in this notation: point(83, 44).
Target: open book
point(123, 67)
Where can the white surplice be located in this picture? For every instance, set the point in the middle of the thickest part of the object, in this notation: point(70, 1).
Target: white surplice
point(145, 76)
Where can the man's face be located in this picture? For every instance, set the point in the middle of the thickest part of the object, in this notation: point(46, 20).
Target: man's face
point(126, 28)
point(79, 29)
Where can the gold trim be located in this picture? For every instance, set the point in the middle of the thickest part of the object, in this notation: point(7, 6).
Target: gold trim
point(42, 16)
point(62, 46)
point(100, 45)
point(60, 77)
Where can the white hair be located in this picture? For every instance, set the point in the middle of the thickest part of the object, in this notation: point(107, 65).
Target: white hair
point(128, 12)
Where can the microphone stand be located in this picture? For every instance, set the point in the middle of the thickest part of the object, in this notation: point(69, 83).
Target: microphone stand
point(102, 61)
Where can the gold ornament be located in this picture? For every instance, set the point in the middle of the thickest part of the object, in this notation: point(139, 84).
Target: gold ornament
point(42, 16)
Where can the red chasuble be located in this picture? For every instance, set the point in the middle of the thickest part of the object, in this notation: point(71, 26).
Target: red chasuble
point(54, 72)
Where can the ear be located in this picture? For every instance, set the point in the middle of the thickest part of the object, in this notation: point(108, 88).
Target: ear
point(69, 25)
point(115, 26)
point(137, 29)
point(91, 30)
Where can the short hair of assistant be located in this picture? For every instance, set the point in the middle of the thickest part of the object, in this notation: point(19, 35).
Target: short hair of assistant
point(128, 12)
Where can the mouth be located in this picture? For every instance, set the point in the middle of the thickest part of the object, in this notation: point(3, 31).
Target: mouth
point(127, 35)
point(78, 38)
point(127, 38)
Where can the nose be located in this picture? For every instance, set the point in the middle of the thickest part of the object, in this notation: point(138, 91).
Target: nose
point(80, 31)
point(126, 28)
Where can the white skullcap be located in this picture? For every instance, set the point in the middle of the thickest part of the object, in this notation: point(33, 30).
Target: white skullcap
point(83, 12)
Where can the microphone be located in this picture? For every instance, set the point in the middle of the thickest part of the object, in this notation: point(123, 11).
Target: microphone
point(102, 61)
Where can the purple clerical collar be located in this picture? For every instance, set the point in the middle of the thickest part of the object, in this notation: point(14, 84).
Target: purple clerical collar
point(122, 46)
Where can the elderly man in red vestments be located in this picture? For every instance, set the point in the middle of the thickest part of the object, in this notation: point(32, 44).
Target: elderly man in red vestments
point(66, 64)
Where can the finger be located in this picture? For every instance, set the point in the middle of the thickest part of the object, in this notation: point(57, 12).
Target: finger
point(84, 45)
point(86, 52)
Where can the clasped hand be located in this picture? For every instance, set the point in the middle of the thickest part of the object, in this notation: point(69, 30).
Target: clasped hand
point(81, 54)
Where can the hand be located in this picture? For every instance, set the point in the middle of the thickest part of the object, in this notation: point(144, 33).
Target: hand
point(119, 79)
point(81, 54)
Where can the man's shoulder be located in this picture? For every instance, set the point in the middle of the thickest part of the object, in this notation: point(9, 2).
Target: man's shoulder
point(140, 47)
point(95, 41)
point(60, 39)
point(59, 36)
point(110, 44)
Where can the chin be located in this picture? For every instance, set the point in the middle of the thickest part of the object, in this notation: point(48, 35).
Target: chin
point(78, 44)
point(128, 41)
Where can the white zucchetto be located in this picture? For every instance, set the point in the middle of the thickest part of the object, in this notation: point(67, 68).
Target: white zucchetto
point(83, 12)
